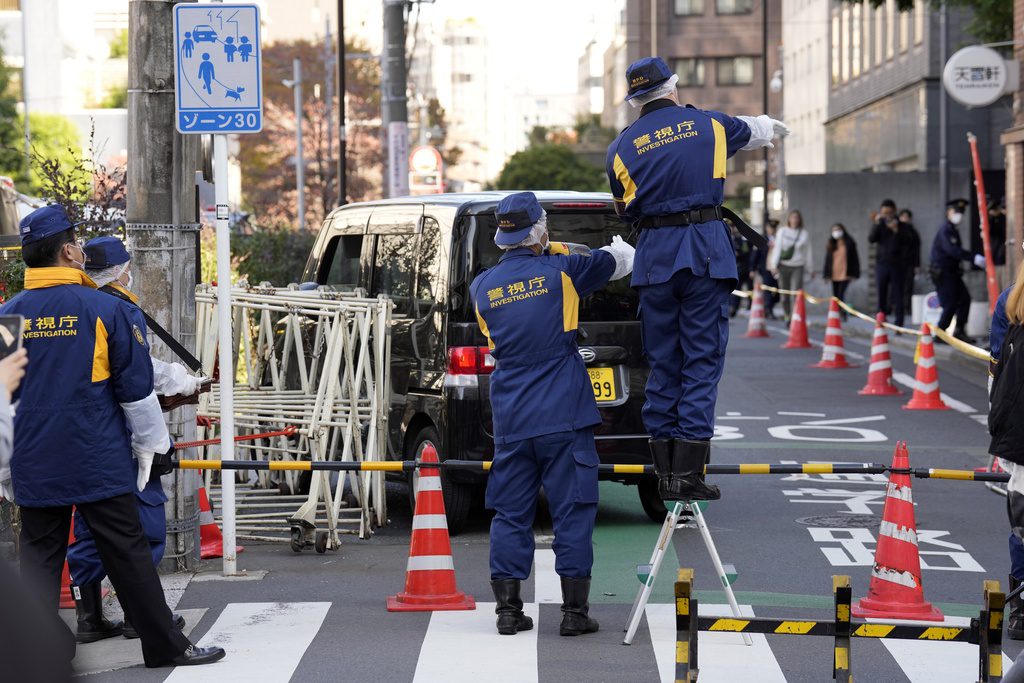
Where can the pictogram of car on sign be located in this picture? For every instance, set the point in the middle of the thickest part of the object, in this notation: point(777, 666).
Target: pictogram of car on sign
point(203, 33)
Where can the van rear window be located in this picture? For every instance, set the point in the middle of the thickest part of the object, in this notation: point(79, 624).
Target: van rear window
point(616, 302)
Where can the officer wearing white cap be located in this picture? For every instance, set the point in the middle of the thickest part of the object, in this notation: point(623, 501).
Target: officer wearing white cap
point(544, 409)
point(85, 407)
point(667, 175)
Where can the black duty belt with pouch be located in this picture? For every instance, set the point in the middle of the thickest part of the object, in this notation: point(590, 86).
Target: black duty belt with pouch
point(703, 215)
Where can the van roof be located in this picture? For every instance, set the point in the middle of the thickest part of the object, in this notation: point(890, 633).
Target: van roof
point(483, 202)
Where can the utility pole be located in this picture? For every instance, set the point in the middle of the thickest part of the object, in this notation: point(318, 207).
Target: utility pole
point(342, 134)
point(943, 109)
point(328, 112)
point(300, 161)
point(162, 230)
point(764, 100)
point(394, 102)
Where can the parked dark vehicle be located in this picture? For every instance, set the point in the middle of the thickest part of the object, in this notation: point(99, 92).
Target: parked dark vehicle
point(423, 252)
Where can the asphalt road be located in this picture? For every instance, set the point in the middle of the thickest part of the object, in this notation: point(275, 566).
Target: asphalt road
point(322, 617)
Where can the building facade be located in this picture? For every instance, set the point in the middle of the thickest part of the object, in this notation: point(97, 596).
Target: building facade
point(805, 79)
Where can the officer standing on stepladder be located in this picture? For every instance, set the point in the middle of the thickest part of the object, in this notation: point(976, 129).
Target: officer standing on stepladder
point(947, 272)
point(543, 407)
point(667, 175)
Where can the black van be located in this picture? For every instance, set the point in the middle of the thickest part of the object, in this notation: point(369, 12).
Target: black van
point(423, 252)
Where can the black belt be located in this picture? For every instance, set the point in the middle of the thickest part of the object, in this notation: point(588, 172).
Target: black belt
point(703, 215)
point(173, 344)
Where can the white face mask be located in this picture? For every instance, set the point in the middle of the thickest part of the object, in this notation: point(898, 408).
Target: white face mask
point(955, 218)
point(128, 284)
point(837, 234)
point(79, 264)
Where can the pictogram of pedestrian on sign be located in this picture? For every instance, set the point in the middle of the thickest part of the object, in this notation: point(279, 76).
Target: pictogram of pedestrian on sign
point(187, 44)
point(206, 72)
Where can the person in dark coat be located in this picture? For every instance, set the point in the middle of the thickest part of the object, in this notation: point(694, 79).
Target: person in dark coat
point(842, 265)
point(912, 257)
point(892, 240)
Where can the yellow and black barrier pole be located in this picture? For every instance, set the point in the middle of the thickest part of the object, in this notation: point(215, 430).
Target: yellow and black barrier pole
point(985, 631)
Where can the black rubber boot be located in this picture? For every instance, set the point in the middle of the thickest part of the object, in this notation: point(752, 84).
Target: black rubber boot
point(1015, 616)
point(661, 455)
point(511, 619)
point(92, 626)
point(688, 461)
point(131, 634)
point(576, 608)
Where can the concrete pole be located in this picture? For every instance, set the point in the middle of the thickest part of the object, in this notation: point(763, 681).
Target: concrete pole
point(162, 232)
point(943, 109)
point(394, 102)
point(328, 113)
point(764, 103)
point(342, 133)
point(300, 160)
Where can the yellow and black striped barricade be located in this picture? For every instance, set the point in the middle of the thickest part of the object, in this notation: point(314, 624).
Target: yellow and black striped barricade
point(984, 631)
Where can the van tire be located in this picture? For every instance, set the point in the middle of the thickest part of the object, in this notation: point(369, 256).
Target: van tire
point(458, 497)
point(651, 501)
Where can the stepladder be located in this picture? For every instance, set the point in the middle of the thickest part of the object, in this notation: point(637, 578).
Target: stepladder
point(677, 518)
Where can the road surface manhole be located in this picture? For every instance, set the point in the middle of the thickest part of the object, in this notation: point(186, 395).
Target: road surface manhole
point(841, 521)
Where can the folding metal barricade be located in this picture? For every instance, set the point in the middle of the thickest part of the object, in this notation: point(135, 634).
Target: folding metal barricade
point(318, 361)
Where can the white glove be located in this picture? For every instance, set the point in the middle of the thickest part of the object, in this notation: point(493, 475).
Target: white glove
point(623, 252)
point(780, 129)
point(173, 379)
point(145, 458)
point(6, 485)
point(762, 130)
point(979, 260)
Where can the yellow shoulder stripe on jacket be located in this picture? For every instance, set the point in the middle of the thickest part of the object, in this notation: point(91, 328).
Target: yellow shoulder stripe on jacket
point(100, 354)
point(558, 248)
point(628, 186)
point(570, 305)
point(721, 151)
point(483, 327)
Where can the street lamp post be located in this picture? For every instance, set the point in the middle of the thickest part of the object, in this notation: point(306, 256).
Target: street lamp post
point(300, 162)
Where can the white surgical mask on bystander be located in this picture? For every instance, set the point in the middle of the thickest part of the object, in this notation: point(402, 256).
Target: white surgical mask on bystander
point(837, 234)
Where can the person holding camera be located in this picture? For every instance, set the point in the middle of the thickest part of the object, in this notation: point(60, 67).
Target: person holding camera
point(893, 242)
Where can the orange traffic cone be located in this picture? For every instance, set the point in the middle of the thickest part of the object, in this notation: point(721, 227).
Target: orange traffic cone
point(67, 600)
point(798, 326)
point(757, 326)
point(833, 353)
point(430, 572)
point(211, 542)
point(926, 383)
point(880, 369)
point(896, 591)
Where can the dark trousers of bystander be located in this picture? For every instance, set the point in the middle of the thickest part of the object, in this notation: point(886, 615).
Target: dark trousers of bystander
point(116, 528)
point(839, 292)
point(891, 279)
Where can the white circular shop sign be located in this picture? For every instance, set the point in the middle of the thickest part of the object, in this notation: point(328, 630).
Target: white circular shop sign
point(975, 76)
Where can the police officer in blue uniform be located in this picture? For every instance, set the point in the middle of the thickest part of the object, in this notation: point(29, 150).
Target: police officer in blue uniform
point(108, 265)
point(947, 271)
point(85, 407)
point(543, 406)
point(667, 175)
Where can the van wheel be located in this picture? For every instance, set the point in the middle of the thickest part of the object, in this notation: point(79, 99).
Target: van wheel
point(458, 497)
point(652, 503)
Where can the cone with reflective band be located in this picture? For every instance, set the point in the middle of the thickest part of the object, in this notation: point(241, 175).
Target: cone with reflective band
point(798, 325)
point(430, 572)
point(211, 542)
point(880, 369)
point(896, 591)
point(833, 353)
point(757, 327)
point(926, 383)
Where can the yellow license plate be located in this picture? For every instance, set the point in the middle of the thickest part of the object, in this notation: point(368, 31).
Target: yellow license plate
point(603, 381)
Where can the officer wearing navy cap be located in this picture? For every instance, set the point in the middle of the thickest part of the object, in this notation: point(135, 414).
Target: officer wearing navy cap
point(543, 407)
point(85, 407)
point(667, 175)
point(947, 272)
point(108, 266)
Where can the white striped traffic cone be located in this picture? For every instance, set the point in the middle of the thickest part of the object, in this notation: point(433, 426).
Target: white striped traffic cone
point(880, 369)
point(926, 381)
point(757, 327)
point(833, 354)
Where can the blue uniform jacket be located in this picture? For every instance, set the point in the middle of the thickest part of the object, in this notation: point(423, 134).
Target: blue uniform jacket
point(946, 250)
point(87, 353)
point(528, 308)
point(669, 160)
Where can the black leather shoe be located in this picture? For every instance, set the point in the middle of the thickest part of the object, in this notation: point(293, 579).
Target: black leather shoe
point(576, 619)
point(131, 634)
point(511, 619)
point(197, 656)
point(688, 461)
point(92, 625)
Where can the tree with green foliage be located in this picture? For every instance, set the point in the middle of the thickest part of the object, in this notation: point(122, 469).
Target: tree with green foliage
point(119, 45)
point(991, 21)
point(55, 139)
point(117, 98)
point(12, 160)
point(550, 167)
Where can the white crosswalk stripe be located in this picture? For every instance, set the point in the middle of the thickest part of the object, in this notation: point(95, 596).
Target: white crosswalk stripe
point(936, 662)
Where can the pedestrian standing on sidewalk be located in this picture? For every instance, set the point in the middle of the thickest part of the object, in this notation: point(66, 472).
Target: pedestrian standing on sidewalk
point(1006, 426)
point(791, 258)
point(667, 176)
point(912, 258)
point(891, 260)
point(842, 265)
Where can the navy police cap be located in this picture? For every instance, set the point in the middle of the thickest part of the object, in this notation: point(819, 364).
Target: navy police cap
point(644, 75)
point(958, 204)
point(44, 222)
point(516, 214)
point(104, 252)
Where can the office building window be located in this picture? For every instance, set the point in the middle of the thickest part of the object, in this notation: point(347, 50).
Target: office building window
point(844, 51)
point(734, 6)
point(879, 35)
point(735, 70)
point(686, 8)
point(919, 21)
point(890, 29)
point(904, 31)
point(855, 38)
point(690, 71)
point(835, 50)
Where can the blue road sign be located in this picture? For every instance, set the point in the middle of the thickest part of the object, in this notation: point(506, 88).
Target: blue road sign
point(219, 83)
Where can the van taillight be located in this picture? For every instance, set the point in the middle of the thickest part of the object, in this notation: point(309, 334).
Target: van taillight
point(470, 360)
